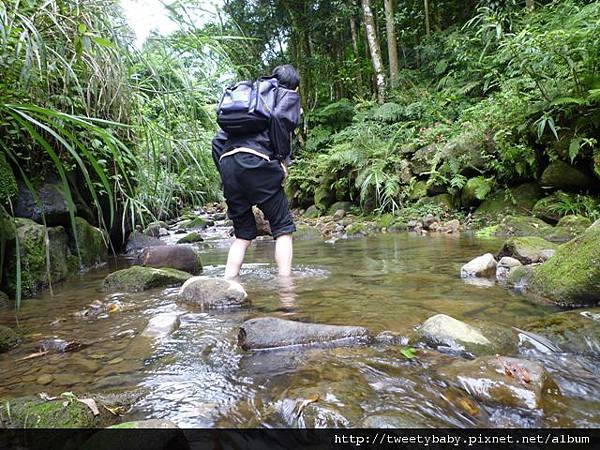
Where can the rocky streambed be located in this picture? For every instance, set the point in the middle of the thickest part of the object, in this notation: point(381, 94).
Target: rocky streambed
point(373, 331)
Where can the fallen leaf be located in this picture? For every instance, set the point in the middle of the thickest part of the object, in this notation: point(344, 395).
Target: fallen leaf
point(408, 352)
point(115, 410)
point(44, 396)
point(33, 355)
point(90, 403)
point(312, 399)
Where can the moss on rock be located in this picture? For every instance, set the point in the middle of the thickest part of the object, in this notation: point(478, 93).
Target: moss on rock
point(561, 175)
point(443, 200)
point(92, 242)
point(528, 250)
point(473, 190)
point(568, 228)
point(418, 190)
point(138, 278)
point(522, 226)
point(518, 200)
point(572, 276)
point(8, 338)
point(8, 183)
point(191, 238)
point(519, 276)
point(32, 412)
point(35, 275)
point(200, 222)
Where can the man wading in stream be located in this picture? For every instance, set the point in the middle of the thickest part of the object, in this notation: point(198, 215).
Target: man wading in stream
point(251, 153)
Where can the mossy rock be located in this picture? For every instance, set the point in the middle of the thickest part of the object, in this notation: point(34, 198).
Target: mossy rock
point(92, 242)
point(35, 275)
point(420, 162)
point(575, 331)
point(518, 200)
point(469, 149)
point(8, 184)
point(418, 190)
point(568, 228)
point(8, 338)
point(519, 276)
point(344, 206)
point(474, 191)
point(385, 221)
point(138, 278)
point(443, 200)
point(571, 277)
point(312, 212)
point(153, 228)
point(527, 249)
point(33, 412)
point(398, 225)
point(522, 226)
point(561, 175)
point(200, 223)
point(191, 238)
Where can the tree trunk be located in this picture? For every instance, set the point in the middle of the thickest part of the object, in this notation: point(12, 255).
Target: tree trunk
point(391, 42)
point(375, 50)
point(427, 26)
point(354, 35)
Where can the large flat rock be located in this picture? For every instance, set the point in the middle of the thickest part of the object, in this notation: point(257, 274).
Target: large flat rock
point(271, 332)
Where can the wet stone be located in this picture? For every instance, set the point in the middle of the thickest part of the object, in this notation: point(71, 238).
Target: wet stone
point(44, 379)
point(482, 266)
point(213, 293)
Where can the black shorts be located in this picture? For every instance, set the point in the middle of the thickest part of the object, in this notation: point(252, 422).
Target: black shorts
point(251, 180)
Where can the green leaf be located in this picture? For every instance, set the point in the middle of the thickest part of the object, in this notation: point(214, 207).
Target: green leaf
point(82, 28)
point(574, 148)
point(568, 101)
point(408, 352)
point(440, 67)
point(102, 42)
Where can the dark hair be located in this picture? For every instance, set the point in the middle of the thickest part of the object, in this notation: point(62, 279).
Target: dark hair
point(287, 76)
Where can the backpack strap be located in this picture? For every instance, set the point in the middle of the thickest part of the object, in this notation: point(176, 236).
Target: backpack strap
point(244, 150)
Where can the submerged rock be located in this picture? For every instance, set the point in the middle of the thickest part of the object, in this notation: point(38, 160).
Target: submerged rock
point(575, 331)
point(561, 175)
point(572, 276)
point(180, 257)
point(446, 331)
point(209, 293)
point(8, 338)
point(138, 278)
point(499, 380)
point(504, 266)
point(161, 325)
point(138, 242)
point(270, 332)
point(482, 266)
point(528, 250)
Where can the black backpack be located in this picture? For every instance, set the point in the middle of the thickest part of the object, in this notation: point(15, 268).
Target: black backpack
point(246, 107)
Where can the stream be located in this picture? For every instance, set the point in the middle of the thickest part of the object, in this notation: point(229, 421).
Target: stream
point(198, 377)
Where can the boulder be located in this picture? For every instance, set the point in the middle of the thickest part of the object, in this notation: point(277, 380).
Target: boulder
point(547, 209)
point(52, 204)
point(560, 175)
point(191, 238)
point(138, 278)
point(312, 212)
point(445, 331)
point(572, 276)
point(418, 190)
point(500, 380)
point(91, 245)
point(528, 250)
point(264, 333)
point(161, 325)
point(575, 331)
point(344, 206)
point(569, 227)
point(213, 293)
point(469, 149)
point(262, 224)
point(522, 226)
point(8, 338)
point(35, 275)
point(422, 159)
point(519, 276)
point(504, 266)
point(339, 214)
point(482, 266)
point(474, 191)
point(519, 200)
point(138, 242)
point(154, 228)
point(180, 257)
point(443, 200)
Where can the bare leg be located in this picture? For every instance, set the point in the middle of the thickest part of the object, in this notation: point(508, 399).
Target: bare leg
point(283, 254)
point(235, 258)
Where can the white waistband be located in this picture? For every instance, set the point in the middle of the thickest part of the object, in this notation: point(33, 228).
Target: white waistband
point(244, 150)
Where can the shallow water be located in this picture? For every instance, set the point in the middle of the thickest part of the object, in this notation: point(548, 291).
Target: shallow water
point(198, 376)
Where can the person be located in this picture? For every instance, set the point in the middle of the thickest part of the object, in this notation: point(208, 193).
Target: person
point(253, 167)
